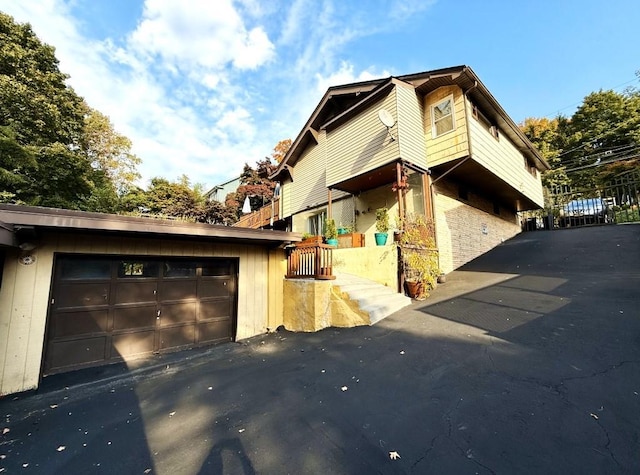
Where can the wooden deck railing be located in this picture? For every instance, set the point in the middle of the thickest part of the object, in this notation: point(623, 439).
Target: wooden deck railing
point(310, 261)
point(262, 217)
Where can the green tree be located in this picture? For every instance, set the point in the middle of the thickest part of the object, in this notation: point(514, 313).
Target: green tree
point(600, 140)
point(63, 179)
point(109, 151)
point(34, 97)
point(16, 162)
point(173, 199)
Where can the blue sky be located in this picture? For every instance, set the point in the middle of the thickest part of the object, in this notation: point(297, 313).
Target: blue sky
point(201, 87)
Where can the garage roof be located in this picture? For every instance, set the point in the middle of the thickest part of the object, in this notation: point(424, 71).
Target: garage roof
point(13, 218)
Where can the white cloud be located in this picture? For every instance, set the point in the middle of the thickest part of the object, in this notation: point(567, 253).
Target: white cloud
point(192, 32)
point(346, 75)
point(203, 87)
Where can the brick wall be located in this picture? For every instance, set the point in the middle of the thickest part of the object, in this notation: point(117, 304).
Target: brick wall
point(467, 228)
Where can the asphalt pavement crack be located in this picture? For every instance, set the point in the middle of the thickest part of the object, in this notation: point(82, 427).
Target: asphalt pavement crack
point(600, 373)
point(427, 452)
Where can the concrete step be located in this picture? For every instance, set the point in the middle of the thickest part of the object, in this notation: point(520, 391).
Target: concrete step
point(378, 300)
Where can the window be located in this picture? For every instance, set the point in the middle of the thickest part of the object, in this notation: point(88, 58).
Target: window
point(137, 269)
point(179, 269)
point(485, 123)
point(315, 223)
point(530, 167)
point(85, 268)
point(217, 267)
point(442, 117)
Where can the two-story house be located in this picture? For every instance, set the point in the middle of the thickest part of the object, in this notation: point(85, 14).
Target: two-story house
point(467, 164)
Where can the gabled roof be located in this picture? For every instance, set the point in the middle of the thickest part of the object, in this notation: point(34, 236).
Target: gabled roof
point(340, 103)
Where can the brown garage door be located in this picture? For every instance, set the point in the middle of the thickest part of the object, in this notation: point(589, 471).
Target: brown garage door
point(106, 309)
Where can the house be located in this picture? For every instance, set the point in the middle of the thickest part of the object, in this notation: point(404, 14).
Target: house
point(82, 289)
point(219, 192)
point(435, 143)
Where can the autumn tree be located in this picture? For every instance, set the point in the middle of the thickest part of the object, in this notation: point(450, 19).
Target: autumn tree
point(601, 139)
point(280, 150)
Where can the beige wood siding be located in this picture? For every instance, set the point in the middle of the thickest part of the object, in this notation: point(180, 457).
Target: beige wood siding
point(24, 296)
point(464, 231)
point(362, 143)
point(285, 198)
point(409, 131)
point(504, 160)
point(309, 187)
point(451, 145)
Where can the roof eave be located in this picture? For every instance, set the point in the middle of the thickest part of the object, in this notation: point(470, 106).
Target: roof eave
point(59, 219)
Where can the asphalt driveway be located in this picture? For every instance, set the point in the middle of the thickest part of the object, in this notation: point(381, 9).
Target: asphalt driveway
point(526, 361)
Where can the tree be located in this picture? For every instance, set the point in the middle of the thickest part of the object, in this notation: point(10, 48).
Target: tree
point(174, 199)
point(63, 179)
point(16, 162)
point(280, 150)
point(109, 151)
point(544, 134)
point(54, 149)
point(255, 184)
point(600, 140)
point(34, 98)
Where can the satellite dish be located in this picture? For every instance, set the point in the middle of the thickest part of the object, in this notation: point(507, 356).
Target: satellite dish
point(386, 118)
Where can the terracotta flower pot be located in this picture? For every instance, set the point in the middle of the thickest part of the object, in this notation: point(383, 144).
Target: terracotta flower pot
point(415, 290)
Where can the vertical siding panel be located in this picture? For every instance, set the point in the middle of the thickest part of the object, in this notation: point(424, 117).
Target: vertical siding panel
point(22, 313)
point(39, 306)
point(275, 289)
point(244, 291)
point(7, 293)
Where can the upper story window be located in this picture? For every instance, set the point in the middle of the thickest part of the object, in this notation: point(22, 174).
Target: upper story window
point(442, 117)
point(530, 167)
point(486, 123)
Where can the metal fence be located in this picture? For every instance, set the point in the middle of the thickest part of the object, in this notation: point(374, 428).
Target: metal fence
point(615, 202)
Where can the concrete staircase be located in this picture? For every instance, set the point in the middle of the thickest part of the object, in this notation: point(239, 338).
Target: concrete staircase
point(378, 300)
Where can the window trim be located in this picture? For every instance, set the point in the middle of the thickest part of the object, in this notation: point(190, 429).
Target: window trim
point(484, 121)
point(434, 133)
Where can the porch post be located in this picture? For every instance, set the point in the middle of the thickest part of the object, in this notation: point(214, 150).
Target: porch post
point(428, 196)
point(329, 212)
point(400, 190)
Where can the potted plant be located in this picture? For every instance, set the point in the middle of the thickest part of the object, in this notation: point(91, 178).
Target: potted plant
point(382, 226)
point(309, 239)
point(331, 232)
point(419, 256)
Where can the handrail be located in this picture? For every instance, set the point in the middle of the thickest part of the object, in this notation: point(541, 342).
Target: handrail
point(261, 217)
point(310, 261)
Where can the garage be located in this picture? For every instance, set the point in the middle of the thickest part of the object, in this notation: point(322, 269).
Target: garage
point(81, 290)
point(106, 309)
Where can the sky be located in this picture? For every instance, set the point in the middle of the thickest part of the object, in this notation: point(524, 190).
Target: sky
point(202, 87)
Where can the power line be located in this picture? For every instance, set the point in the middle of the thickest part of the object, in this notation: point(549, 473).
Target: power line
point(555, 114)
